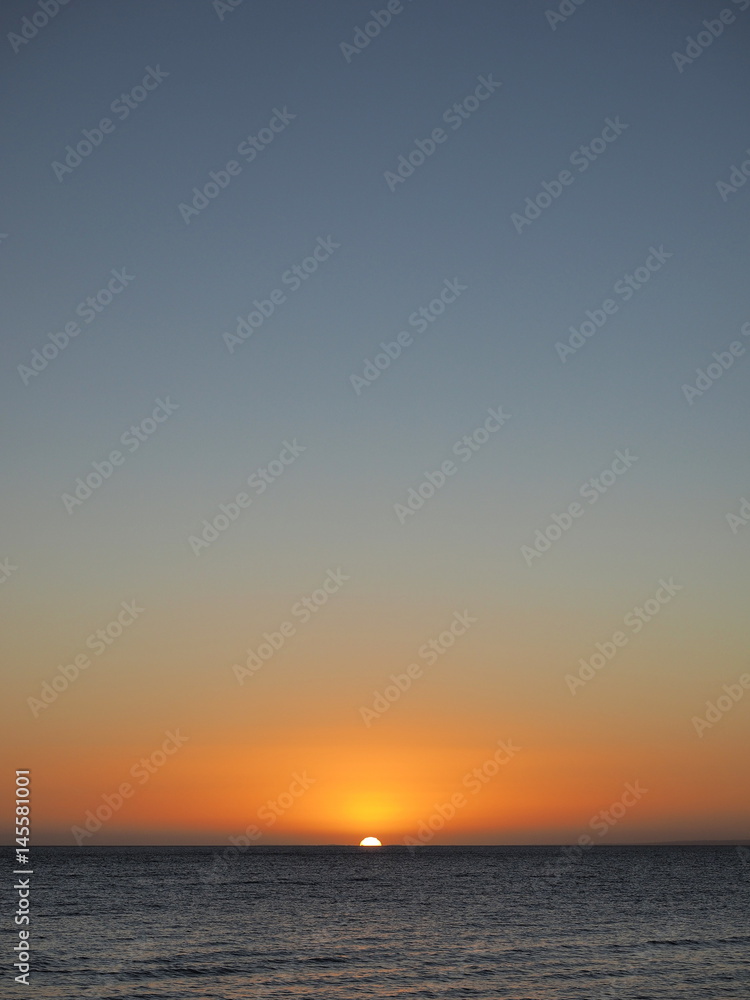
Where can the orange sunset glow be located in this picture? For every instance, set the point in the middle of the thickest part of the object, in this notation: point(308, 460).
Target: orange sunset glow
point(516, 766)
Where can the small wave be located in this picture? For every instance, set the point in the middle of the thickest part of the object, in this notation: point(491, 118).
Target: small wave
point(337, 959)
point(670, 942)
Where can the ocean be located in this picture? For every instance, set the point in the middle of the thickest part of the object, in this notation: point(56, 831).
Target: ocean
point(487, 923)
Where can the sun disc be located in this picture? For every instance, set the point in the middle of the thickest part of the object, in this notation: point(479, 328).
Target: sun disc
point(370, 842)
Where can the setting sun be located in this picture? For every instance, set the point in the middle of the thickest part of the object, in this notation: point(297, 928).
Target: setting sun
point(370, 842)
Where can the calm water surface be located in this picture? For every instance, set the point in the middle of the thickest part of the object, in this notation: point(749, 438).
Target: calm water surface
point(342, 924)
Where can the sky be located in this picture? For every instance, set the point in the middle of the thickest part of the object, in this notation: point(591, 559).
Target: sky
point(366, 369)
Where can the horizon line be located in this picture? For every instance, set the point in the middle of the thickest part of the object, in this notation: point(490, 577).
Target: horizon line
point(745, 842)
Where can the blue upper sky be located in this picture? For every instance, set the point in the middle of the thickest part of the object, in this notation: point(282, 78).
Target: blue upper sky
point(221, 75)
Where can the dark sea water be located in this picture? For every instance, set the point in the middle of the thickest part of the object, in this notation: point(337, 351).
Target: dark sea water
point(341, 924)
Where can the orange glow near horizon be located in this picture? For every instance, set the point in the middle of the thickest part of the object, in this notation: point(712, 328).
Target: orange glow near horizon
point(289, 756)
point(537, 796)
